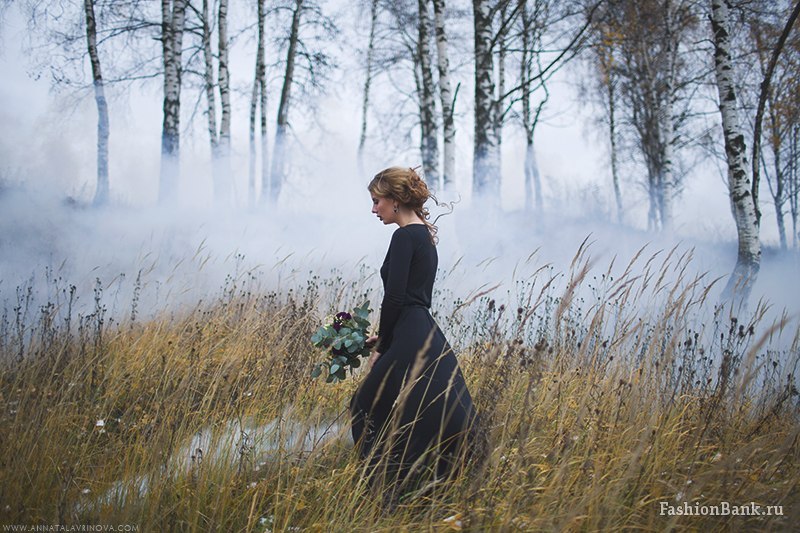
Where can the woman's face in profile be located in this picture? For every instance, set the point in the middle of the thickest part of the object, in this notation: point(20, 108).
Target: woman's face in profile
point(383, 208)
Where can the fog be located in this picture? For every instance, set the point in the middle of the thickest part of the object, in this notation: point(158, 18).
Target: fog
point(183, 254)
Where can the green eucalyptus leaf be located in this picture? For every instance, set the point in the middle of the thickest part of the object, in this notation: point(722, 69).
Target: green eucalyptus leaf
point(317, 372)
point(335, 367)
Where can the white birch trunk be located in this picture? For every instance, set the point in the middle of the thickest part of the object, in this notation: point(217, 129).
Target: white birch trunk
point(446, 95)
point(251, 162)
point(258, 98)
point(211, 100)
point(261, 80)
point(362, 138)
point(172, 24)
point(208, 58)
point(485, 162)
point(793, 183)
point(612, 136)
point(742, 205)
point(429, 145)
point(222, 161)
point(279, 157)
point(501, 79)
point(101, 195)
point(667, 171)
point(667, 185)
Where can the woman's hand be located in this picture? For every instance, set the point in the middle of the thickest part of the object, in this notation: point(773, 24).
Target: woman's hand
point(372, 358)
point(371, 342)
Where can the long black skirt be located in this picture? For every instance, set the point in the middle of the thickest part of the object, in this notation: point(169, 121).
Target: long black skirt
point(412, 417)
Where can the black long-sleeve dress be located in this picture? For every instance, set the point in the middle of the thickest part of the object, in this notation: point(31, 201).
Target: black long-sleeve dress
point(412, 416)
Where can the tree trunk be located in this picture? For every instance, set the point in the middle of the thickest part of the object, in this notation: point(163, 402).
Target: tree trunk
point(211, 99)
point(224, 152)
point(429, 146)
point(278, 174)
point(362, 138)
point(251, 166)
point(667, 170)
point(486, 157)
point(208, 57)
point(779, 194)
point(260, 86)
point(531, 37)
point(743, 206)
point(101, 195)
point(172, 23)
point(762, 99)
point(793, 182)
point(612, 136)
point(258, 98)
point(446, 94)
point(501, 80)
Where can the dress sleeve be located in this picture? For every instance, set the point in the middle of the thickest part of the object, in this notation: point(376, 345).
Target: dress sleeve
point(400, 251)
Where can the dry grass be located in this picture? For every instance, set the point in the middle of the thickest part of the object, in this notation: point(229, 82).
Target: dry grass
point(598, 412)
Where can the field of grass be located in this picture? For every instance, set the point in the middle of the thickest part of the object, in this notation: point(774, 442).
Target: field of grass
point(612, 403)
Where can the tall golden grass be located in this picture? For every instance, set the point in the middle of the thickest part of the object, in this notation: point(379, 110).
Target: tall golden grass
point(598, 408)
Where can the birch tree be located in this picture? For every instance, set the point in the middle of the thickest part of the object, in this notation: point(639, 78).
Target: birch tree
point(778, 102)
point(429, 146)
point(743, 204)
point(223, 153)
point(219, 140)
point(101, 195)
point(447, 97)
point(278, 174)
point(605, 61)
point(654, 80)
point(258, 99)
point(173, 18)
point(370, 68)
point(534, 18)
point(305, 68)
point(486, 153)
point(70, 32)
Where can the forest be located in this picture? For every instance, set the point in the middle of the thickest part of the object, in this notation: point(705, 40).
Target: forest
point(183, 203)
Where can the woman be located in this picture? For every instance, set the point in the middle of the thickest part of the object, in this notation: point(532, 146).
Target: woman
point(413, 417)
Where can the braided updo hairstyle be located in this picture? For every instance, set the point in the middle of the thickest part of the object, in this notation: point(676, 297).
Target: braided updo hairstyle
point(404, 185)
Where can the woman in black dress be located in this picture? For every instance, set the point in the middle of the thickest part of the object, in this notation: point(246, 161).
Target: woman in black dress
point(413, 417)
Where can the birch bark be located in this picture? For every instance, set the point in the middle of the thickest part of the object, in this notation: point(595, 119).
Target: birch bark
point(173, 18)
point(258, 97)
point(362, 138)
point(101, 195)
point(446, 95)
point(485, 159)
point(211, 100)
point(223, 154)
point(743, 206)
point(278, 174)
point(429, 145)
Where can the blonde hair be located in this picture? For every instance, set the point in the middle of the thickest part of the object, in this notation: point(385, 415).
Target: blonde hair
point(405, 185)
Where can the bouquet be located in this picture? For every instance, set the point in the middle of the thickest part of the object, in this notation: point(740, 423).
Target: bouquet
point(344, 340)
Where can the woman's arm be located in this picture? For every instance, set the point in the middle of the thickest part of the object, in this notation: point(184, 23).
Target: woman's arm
point(400, 251)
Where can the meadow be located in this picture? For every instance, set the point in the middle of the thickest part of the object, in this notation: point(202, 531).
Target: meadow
point(613, 400)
